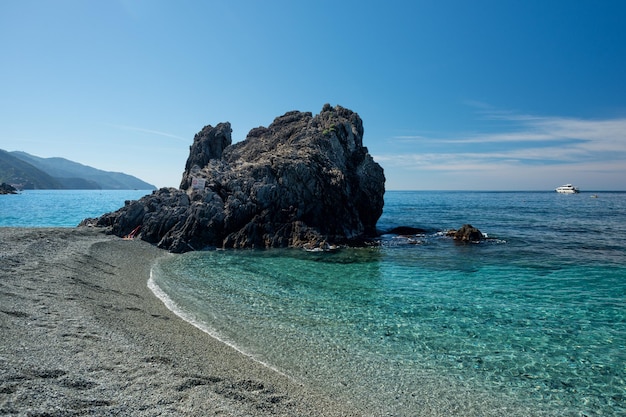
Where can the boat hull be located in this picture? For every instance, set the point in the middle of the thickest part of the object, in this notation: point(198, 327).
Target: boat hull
point(567, 189)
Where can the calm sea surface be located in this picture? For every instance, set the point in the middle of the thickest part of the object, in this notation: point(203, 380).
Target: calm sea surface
point(529, 322)
point(61, 208)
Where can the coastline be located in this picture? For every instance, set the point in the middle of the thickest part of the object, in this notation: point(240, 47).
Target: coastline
point(83, 334)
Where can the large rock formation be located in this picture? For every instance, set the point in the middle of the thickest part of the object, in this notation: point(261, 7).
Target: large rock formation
point(304, 181)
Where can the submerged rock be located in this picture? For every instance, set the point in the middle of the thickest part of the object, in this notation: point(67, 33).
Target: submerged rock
point(303, 181)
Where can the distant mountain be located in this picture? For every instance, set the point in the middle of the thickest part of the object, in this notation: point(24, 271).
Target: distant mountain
point(23, 175)
point(29, 171)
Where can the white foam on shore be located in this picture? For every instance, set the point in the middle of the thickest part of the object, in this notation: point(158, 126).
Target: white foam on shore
point(175, 308)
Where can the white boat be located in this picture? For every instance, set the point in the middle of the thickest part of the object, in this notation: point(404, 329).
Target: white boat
point(567, 189)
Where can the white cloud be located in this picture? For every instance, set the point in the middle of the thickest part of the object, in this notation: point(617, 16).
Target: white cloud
point(533, 129)
point(527, 151)
point(532, 139)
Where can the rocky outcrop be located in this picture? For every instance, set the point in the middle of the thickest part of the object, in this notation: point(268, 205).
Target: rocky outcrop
point(303, 181)
point(7, 189)
point(467, 233)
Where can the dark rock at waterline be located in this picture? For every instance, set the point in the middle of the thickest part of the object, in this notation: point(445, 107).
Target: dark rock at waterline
point(303, 181)
point(467, 233)
point(7, 189)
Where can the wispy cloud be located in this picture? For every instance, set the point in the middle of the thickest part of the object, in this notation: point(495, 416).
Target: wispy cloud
point(593, 134)
point(152, 132)
point(522, 140)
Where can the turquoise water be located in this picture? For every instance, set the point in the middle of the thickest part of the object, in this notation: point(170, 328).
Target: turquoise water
point(529, 322)
point(61, 208)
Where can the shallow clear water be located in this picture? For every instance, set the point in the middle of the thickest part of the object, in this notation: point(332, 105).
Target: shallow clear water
point(61, 208)
point(529, 322)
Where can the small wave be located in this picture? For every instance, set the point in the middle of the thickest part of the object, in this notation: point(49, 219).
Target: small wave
point(175, 308)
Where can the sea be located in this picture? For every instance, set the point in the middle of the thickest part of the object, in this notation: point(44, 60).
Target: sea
point(530, 321)
point(61, 208)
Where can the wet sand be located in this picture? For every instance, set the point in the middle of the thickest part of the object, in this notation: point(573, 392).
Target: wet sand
point(81, 334)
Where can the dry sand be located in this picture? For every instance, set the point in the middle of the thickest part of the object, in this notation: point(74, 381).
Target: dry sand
point(81, 334)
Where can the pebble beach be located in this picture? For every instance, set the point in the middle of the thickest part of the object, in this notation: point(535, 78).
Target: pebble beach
point(81, 334)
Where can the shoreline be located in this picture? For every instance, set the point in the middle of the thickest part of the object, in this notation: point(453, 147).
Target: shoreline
point(173, 307)
point(83, 334)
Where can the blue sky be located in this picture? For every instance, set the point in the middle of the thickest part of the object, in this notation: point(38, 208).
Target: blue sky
point(454, 95)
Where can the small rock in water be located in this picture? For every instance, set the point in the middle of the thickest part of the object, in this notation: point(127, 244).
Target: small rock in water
point(467, 233)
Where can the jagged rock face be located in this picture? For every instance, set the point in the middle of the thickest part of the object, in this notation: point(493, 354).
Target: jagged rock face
point(208, 144)
point(302, 181)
